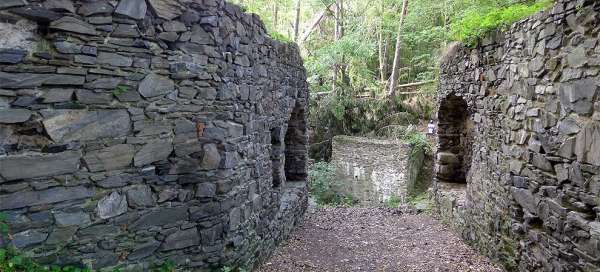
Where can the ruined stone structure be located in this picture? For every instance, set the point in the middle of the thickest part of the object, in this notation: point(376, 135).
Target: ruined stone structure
point(519, 123)
point(375, 171)
point(134, 132)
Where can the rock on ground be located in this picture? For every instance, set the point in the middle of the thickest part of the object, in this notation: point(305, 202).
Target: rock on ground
point(372, 239)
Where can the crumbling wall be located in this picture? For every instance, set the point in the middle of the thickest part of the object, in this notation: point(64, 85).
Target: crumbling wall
point(533, 187)
point(372, 171)
point(134, 132)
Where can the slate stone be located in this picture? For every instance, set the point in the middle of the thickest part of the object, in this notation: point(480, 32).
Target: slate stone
point(155, 85)
point(107, 83)
point(61, 235)
point(126, 31)
point(114, 59)
point(206, 189)
point(74, 25)
point(57, 95)
point(91, 97)
point(110, 158)
point(568, 126)
point(135, 9)
point(39, 165)
point(112, 205)
point(25, 101)
point(211, 158)
point(578, 96)
point(95, 7)
point(526, 199)
point(30, 80)
point(13, 116)
point(28, 238)
point(153, 152)
point(83, 125)
point(174, 26)
point(37, 14)
point(64, 219)
point(113, 182)
point(144, 250)
point(587, 146)
point(60, 5)
point(53, 195)
point(200, 36)
point(12, 56)
point(12, 3)
point(140, 196)
point(166, 9)
point(67, 47)
point(181, 239)
point(577, 58)
point(204, 211)
point(160, 217)
point(542, 163)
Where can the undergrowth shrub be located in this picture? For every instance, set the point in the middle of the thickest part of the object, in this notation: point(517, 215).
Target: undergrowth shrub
point(325, 188)
point(477, 23)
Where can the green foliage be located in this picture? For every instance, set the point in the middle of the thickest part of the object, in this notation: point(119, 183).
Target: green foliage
point(393, 202)
point(476, 23)
point(420, 202)
point(121, 89)
point(229, 269)
point(325, 188)
point(418, 143)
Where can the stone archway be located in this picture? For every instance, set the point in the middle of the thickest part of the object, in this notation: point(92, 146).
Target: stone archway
point(296, 143)
point(455, 140)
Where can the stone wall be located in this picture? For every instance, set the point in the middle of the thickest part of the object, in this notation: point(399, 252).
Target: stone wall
point(371, 170)
point(134, 132)
point(533, 181)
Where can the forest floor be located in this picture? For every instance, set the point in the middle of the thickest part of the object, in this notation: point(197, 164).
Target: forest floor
point(374, 239)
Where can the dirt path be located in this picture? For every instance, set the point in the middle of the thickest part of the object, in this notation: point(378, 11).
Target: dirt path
point(372, 239)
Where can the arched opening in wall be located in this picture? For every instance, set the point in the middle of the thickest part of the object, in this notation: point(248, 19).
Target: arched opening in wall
point(296, 144)
point(455, 138)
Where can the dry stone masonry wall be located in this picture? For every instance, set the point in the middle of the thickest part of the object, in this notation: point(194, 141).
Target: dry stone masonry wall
point(533, 162)
point(134, 132)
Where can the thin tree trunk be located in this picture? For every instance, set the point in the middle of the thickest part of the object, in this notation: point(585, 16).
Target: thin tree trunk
point(297, 21)
point(383, 47)
point(336, 37)
point(275, 15)
point(396, 67)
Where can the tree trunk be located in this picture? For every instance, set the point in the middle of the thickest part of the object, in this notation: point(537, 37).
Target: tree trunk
point(396, 67)
point(275, 15)
point(337, 34)
point(297, 21)
point(383, 48)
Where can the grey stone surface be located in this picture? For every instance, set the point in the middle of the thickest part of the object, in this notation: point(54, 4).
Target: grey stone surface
point(39, 165)
point(116, 88)
point(135, 9)
point(11, 116)
point(153, 152)
point(73, 24)
point(140, 196)
point(530, 200)
point(81, 125)
point(29, 80)
point(64, 219)
point(28, 238)
point(12, 56)
point(110, 158)
point(112, 205)
point(155, 85)
point(181, 239)
point(31, 198)
point(161, 217)
point(211, 157)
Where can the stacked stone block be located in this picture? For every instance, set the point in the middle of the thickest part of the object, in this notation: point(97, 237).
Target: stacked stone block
point(134, 132)
point(533, 198)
